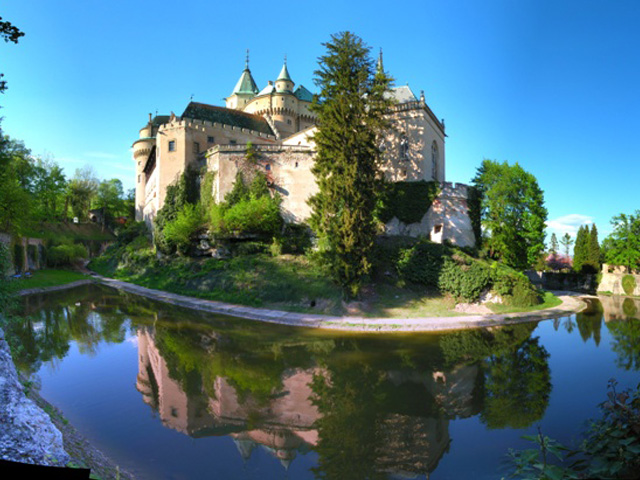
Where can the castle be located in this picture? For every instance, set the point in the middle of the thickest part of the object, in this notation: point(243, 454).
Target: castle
point(280, 124)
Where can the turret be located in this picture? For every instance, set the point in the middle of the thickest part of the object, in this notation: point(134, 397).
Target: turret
point(244, 90)
point(284, 82)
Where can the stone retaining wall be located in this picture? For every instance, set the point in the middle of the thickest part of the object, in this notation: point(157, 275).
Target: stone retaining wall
point(27, 434)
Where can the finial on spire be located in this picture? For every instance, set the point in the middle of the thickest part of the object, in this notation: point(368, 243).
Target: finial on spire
point(246, 63)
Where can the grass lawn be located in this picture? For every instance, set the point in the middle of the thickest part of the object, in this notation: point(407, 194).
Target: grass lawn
point(46, 278)
point(549, 301)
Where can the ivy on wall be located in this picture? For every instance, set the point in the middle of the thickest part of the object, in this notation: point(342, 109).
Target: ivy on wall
point(408, 201)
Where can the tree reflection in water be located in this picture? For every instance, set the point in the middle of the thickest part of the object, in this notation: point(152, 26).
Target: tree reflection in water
point(369, 406)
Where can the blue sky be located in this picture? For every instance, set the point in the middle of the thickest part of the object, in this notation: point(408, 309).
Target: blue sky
point(553, 85)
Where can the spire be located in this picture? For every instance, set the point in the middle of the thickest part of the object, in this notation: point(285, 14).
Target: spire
point(284, 73)
point(246, 84)
point(380, 66)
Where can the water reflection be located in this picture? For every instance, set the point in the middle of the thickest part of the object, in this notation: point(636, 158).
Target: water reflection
point(369, 407)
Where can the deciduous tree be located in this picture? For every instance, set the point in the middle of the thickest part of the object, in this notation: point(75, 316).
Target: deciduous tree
point(623, 245)
point(512, 212)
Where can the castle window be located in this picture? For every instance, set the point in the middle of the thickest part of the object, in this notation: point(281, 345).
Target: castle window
point(196, 147)
point(288, 121)
point(434, 160)
point(267, 167)
point(210, 139)
point(172, 145)
point(233, 142)
point(404, 147)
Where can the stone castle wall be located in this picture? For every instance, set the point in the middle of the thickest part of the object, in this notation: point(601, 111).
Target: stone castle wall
point(612, 280)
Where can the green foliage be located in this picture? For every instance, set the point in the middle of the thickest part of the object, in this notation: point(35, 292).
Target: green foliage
point(421, 263)
point(247, 209)
point(66, 254)
point(131, 232)
point(255, 215)
point(178, 194)
point(514, 287)
point(611, 448)
point(554, 246)
point(206, 191)
point(6, 268)
point(512, 212)
point(295, 238)
point(81, 191)
point(18, 256)
point(623, 245)
point(628, 284)
point(408, 201)
point(463, 280)
point(350, 109)
point(180, 232)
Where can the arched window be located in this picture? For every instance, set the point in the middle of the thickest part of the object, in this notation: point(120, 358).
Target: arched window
point(404, 147)
point(434, 161)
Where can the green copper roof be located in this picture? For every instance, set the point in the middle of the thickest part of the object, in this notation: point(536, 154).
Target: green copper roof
point(302, 93)
point(245, 85)
point(227, 116)
point(284, 73)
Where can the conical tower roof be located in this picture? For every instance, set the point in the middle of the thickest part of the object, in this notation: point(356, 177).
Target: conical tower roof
point(284, 73)
point(246, 84)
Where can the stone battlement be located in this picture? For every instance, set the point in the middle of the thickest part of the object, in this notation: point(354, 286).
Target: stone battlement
point(259, 148)
point(450, 189)
point(200, 124)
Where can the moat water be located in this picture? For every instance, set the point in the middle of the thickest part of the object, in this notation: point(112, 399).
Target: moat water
point(169, 393)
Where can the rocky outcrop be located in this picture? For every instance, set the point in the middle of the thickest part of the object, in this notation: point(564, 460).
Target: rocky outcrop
point(27, 434)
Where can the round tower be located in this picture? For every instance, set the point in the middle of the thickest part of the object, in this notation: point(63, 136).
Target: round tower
point(141, 150)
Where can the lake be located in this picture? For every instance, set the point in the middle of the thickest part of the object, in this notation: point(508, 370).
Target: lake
point(169, 393)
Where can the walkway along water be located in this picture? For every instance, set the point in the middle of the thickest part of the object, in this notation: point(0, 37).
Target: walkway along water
point(570, 304)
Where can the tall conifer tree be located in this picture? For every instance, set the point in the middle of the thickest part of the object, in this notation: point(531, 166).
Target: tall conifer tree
point(594, 249)
point(350, 109)
point(580, 249)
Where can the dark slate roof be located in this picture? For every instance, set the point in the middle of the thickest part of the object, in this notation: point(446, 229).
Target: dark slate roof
point(227, 116)
point(160, 120)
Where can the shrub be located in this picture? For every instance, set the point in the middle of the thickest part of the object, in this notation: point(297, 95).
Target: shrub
point(180, 232)
point(628, 284)
point(421, 263)
point(464, 281)
point(514, 287)
point(66, 254)
point(408, 201)
point(132, 231)
point(255, 215)
point(295, 238)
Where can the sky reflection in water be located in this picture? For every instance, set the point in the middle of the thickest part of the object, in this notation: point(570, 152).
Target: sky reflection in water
point(169, 393)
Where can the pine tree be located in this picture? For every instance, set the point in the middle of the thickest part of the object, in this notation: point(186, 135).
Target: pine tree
point(554, 245)
point(594, 250)
point(566, 242)
point(350, 109)
point(580, 249)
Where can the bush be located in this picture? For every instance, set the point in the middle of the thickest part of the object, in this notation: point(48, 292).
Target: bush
point(180, 232)
point(464, 281)
point(132, 231)
point(514, 287)
point(66, 254)
point(254, 215)
point(407, 201)
point(295, 238)
point(628, 284)
point(421, 263)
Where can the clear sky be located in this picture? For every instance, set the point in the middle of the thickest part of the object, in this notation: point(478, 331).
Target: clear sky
point(553, 85)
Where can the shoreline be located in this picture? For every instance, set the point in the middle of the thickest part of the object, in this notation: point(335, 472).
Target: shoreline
point(570, 304)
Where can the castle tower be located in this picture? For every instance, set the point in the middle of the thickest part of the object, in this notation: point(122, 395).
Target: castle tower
point(284, 82)
point(244, 90)
point(142, 149)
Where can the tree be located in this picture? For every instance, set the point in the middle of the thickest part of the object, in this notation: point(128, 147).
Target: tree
point(594, 249)
point(81, 190)
point(580, 250)
point(15, 200)
point(512, 212)
point(110, 198)
point(8, 33)
point(554, 245)
point(566, 242)
point(49, 187)
point(623, 245)
point(350, 109)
